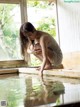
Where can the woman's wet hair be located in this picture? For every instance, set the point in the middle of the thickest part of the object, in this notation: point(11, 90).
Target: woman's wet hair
point(28, 27)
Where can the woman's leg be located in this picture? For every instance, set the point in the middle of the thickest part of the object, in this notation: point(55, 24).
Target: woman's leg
point(55, 59)
point(48, 63)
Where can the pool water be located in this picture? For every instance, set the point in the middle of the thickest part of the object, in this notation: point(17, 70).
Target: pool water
point(33, 91)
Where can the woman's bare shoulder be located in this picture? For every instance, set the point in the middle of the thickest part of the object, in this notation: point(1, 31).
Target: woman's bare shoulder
point(44, 37)
point(44, 34)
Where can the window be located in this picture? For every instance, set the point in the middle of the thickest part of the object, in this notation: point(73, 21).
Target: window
point(10, 21)
point(9, 32)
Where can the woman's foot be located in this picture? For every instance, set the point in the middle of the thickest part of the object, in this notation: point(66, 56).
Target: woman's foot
point(47, 67)
point(58, 66)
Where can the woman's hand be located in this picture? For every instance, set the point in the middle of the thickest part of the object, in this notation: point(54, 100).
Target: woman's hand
point(37, 48)
point(40, 72)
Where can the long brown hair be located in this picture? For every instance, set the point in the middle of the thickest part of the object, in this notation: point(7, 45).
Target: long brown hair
point(24, 29)
point(24, 40)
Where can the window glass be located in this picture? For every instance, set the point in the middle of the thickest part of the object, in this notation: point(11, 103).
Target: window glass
point(10, 20)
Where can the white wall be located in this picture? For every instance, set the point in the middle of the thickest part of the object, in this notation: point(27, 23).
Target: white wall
point(69, 25)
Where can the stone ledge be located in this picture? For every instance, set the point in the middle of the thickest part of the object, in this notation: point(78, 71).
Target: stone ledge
point(54, 72)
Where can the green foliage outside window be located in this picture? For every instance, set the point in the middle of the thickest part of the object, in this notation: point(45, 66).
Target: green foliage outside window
point(9, 29)
point(47, 25)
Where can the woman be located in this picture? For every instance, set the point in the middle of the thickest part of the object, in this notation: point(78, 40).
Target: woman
point(42, 45)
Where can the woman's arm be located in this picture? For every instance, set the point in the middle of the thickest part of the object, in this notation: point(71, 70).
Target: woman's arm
point(44, 53)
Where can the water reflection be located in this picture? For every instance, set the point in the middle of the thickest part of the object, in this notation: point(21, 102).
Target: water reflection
point(31, 91)
point(12, 90)
point(40, 92)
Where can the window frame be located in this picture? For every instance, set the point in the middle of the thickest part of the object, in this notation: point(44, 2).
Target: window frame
point(16, 63)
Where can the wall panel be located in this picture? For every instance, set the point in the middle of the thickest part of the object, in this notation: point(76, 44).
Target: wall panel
point(69, 25)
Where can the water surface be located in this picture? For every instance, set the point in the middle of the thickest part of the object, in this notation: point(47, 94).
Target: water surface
point(32, 91)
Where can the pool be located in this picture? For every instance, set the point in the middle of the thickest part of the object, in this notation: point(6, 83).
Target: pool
point(32, 91)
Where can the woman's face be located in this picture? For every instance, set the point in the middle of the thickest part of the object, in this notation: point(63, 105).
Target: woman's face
point(31, 35)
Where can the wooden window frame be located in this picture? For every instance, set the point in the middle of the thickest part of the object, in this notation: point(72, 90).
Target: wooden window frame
point(16, 63)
